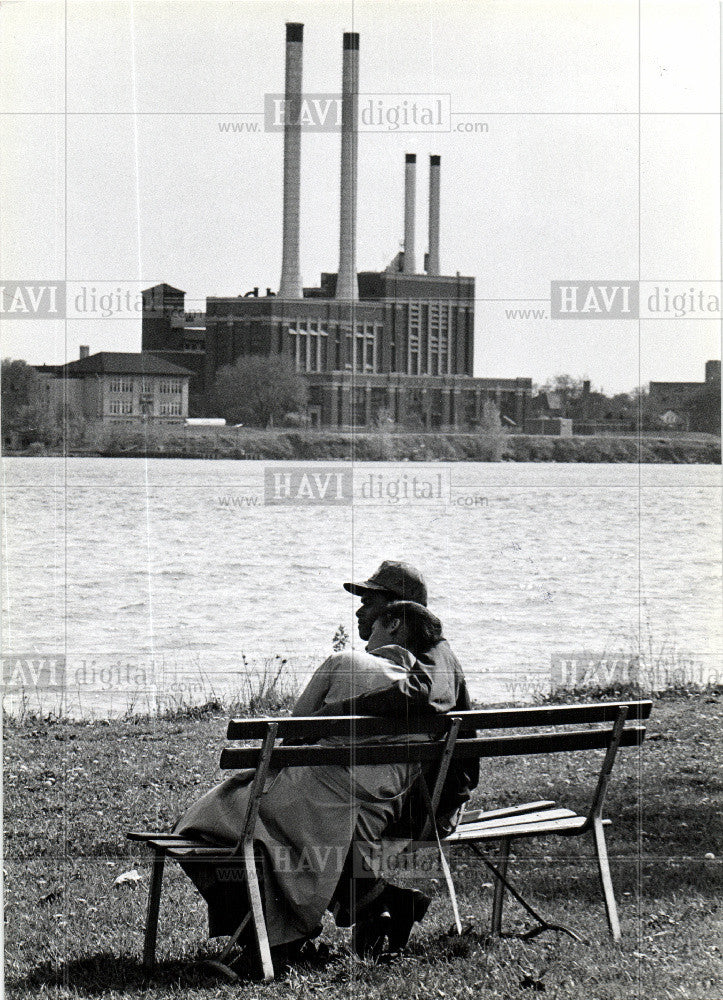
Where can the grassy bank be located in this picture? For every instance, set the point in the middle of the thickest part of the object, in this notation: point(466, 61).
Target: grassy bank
point(71, 790)
point(246, 443)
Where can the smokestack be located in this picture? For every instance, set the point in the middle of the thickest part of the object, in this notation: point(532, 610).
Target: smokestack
point(290, 287)
point(346, 282)
point(84, 351)
point(434, 176)
point(410, 185)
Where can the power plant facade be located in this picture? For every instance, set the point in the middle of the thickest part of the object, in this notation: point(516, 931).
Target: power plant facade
point(395, 345)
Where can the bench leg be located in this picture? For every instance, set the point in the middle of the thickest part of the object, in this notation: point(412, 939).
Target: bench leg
point(257, 911)
point(154, 903)
point(499, 894)
point(605, 880)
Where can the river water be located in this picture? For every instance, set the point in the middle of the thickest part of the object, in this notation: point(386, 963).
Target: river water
point(134, 584)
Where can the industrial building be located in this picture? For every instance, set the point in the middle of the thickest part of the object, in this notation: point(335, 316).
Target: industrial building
point(677, 395)
point(392, 346)
point(674, 402)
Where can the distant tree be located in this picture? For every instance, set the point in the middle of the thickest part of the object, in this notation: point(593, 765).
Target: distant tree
point(384, 418)
point(258, 390)
point(24, 407)
point(642, 411)
point(566, 386)
point(490, 422)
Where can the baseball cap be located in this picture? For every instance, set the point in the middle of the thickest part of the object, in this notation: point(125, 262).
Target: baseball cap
point(397, 578)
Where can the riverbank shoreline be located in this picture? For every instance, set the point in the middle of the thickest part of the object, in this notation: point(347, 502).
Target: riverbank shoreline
point(292, 445)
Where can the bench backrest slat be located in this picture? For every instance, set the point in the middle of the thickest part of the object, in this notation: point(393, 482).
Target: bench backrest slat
point(425, 751)
point(360, 727)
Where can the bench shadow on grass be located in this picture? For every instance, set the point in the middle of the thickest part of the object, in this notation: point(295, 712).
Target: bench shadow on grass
point(96, 975)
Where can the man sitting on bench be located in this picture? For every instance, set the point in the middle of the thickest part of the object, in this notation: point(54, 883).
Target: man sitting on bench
point(308, 816)
point(435, 685)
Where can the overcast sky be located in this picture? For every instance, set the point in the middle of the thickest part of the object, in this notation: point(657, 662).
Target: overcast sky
point(601, 161)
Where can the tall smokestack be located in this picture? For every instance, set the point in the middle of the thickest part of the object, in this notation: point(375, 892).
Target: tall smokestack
point(346, 282)
point(290, 287)
point(410, 187)
point(434, 175)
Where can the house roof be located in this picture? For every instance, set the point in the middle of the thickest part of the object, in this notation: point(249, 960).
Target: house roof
point(122, 363)
point(165, 288)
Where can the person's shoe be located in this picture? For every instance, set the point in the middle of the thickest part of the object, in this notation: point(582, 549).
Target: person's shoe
point(405, 907)
point(284, 955)
point(369, 936)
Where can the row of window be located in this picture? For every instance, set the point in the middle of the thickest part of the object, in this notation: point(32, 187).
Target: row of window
point(311, 348)
point(122, 385)
point(436, 360)
point(125, 406)
point(120, 406)
point(167, 387)
point(170, 387)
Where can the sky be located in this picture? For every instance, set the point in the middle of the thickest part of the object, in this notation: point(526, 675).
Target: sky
point(600, 161)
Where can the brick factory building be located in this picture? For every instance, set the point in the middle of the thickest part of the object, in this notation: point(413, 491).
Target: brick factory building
point(389, 346)
point(674, 403)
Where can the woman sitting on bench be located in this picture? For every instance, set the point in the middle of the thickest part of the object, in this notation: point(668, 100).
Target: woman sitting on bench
point(310, 816)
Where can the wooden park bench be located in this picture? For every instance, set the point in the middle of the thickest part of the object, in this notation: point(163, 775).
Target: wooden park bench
point(538, 730)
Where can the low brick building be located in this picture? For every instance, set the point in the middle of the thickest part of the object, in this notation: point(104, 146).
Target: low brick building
point(119, 388)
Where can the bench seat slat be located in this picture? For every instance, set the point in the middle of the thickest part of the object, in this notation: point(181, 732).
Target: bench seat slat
point(189, 844)
point(171, 841)
point(472, 815)
point(565, 827)
point(567, 823)
point(357, 726)
point(143, 835)
point(544, 815)
point(201, 851)
point(391, 753)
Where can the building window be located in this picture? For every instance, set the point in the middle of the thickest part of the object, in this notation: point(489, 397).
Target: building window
point(358, 415)
point(413, 333)
point(170, 387)
point(121, 384)
point(323, 360)
point(146, 385)
point(309, 348)
point(118, 406)
point(171, 409)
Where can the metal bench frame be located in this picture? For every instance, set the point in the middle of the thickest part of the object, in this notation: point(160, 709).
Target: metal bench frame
point(543, 818)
